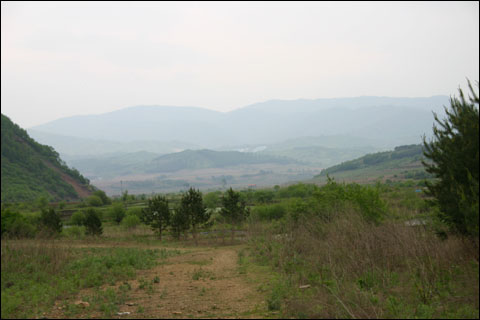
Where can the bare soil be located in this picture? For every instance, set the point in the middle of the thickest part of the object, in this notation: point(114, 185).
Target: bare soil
point(199, 283)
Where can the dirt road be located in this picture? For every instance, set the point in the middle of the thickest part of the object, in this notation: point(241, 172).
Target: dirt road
point(200, 283)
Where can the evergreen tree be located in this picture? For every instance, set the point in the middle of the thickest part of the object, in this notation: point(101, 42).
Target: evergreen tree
point(51, 221)
point(179, 223)
point(233, 210)
point(157, 214)
point(191, 206)
point(93, 224)
point(454, 158)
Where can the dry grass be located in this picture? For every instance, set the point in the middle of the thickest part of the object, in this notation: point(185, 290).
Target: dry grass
point(360, 270)
point(47, 253)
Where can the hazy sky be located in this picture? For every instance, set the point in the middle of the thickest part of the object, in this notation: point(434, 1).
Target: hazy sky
point(62, 59)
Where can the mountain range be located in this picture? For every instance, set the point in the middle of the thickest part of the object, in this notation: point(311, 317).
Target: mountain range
point(387, 122)
point(280, 138)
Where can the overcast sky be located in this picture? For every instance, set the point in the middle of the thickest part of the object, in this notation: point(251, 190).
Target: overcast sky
point(62, 59)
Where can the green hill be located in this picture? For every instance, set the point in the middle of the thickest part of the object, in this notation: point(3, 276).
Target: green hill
point(30, 170)
point(404, 162)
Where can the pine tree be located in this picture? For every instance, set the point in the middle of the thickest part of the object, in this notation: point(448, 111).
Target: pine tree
point(51, 221)
point(454, 160)
point(233, 210)
point(93, 224)
point(157, 214)
point(191, 206)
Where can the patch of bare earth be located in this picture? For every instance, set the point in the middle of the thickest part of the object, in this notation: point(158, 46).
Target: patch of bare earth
point(81, 190)
point(201, 283)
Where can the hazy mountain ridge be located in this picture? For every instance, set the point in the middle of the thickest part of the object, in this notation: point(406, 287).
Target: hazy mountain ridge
point(263, 123)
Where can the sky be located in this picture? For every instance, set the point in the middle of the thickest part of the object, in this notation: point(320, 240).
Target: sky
point(60, 59)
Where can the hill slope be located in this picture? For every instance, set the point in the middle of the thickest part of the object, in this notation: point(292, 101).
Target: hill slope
point(402, 162)
point(30, 170)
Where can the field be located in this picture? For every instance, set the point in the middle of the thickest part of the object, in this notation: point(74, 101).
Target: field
point(260, 175)
point(335, 251)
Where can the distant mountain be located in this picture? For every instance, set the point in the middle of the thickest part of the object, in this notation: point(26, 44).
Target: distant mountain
point(387, 121)
point(403, 161)
point(30, 170)
point(150, 163)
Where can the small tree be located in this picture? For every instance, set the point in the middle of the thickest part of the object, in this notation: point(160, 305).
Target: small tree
point(117, 212)
point(454, 158)
point(179, 223)
point(103, 196)
point(234, 210)
point(191, 205)
point(94, 201)
point(77, 218)
point(51, 221)
point(93, 224)
point(157, 214)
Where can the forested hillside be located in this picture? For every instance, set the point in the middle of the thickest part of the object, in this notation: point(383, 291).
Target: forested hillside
point(31, 170)
point(403, 160)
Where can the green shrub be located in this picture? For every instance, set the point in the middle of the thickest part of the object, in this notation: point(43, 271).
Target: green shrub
point(334, 197)
point(130, 222)
point(117, 212)
point(269, 212)
point(137, 211)
point(74, 231)
point(94, 201)
point(15, 225)
point(102, 195)
point(77, 218)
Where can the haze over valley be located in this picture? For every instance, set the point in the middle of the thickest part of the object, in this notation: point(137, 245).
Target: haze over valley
point(159, 148)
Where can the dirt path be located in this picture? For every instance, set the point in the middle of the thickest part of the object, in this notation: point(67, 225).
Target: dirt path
point(200, 283)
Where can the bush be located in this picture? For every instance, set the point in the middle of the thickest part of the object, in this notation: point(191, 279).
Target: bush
point(103, 196)
point(94, 201)
point(75, 232)
point(130, 221)
point(135, 211)
point(16, 225)
point(117, 212)
point(334, 197)
point(77, 218)
point(93, 224)
point(269, 212)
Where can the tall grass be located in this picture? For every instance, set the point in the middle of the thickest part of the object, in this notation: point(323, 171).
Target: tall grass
point(358, 269)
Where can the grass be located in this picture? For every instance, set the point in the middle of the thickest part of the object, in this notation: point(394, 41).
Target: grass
point(201, 273)
point(36, 273)
point(357, 269)
point(317, 265)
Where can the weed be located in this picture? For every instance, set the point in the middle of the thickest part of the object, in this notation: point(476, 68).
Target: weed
point(201, 273)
